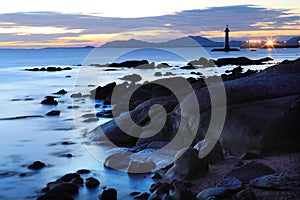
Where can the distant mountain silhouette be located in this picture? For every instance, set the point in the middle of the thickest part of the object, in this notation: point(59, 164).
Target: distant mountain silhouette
point(190, 41)
point(293, 41)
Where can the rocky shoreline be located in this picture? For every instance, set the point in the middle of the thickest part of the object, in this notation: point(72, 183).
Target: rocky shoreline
point(256, 157)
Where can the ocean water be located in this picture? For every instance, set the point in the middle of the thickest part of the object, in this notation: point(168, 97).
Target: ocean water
point(23, 141)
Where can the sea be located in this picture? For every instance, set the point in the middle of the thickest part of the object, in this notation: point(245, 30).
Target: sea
point(24, 140)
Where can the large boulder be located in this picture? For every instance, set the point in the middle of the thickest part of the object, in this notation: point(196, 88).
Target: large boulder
point(187, 166)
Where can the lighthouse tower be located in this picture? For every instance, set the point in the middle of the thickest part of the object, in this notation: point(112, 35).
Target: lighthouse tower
point(226, 46)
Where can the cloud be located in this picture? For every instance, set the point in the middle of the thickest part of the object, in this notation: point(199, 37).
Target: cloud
point(243, 20)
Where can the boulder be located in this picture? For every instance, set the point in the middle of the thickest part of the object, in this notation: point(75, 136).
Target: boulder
point(181, 192)
point(187, 165)
point(37, 165)
point(230, 183)
point(246, 194)
point(109, 194)
point(53, 113)
point(249, 171)
point(133, 78)
point(141, 167)
point(215, 155)
point(49, 101)
point(62, 91)
point(92, 182)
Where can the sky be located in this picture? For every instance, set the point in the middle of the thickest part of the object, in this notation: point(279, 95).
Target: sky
point(49, 23)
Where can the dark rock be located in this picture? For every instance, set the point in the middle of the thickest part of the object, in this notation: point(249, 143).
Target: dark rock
point(215, 155)
point(103, 92)
point(50, 101)
point(109, 194)
point(169, 74)
point(67, 68)
point(187, 165)
point(245, 195)
point(68, 76)
point(156, 175)
point(91, 119)
point(249, 156)
point(57, 195)
point(70, 188)
point(163, 65)
point(73, 107)
point(37, 165)
point(157, 74)
point(69, 177)
point(189, 67)
point(160, 192)
point(130, 63)
point(249, 171)
point(240, 61)
point(181, 192)
point(230, 183)
point(155, 186)
point(83, 171)
point(53, 113)
point(277, 182)
point(69, 155)
point(76, 95)
point(105, 113)
point(78, 180)
point(67, 143)
point(62, 91)
point(134, 193)
point(142, 196)
point(91, 182)
point(217, 192)
point(133, 78)
point(88, 115)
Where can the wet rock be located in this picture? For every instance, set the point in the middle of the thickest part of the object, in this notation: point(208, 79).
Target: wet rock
point(230, 183)
point(140, 167)
point(76, 95)
point(134, 193)
point(78, 181)
point(37, 165)
point(92, 182)
point(69, 155)
point(62, 91)
point(181, 192)
point(157, 74)
point(143, 196)
point(104, 92)
point(246, 194)
point(69, 177)
point(216, 192)
point(105, 113)
point(162, 65)
point(215, 155)
point(130, 63)
point(70, 188)
point(109, 194)
point(156, 175)
point(249, 171)
point(83, 171)
point(133, 78)
point(169, 74)
point(67, 143)
point(240, 61)
point(160, 192)
point(277, 182)
point(49, 101)
point(249, 156)
point(73, 107)
point(68, 76)
point(53, 113)
point(91, 119)
point(187, 165)
point(57, 195)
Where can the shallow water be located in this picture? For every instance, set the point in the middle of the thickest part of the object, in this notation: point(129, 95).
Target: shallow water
point(23, 141)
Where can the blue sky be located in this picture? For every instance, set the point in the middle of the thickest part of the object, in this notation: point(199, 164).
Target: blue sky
point(65, 23)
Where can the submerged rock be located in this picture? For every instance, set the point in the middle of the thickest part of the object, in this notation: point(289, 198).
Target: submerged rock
point(53, 113)
point(109, 194)
point(49, 100)
point(92, 182)
point(37, 165)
